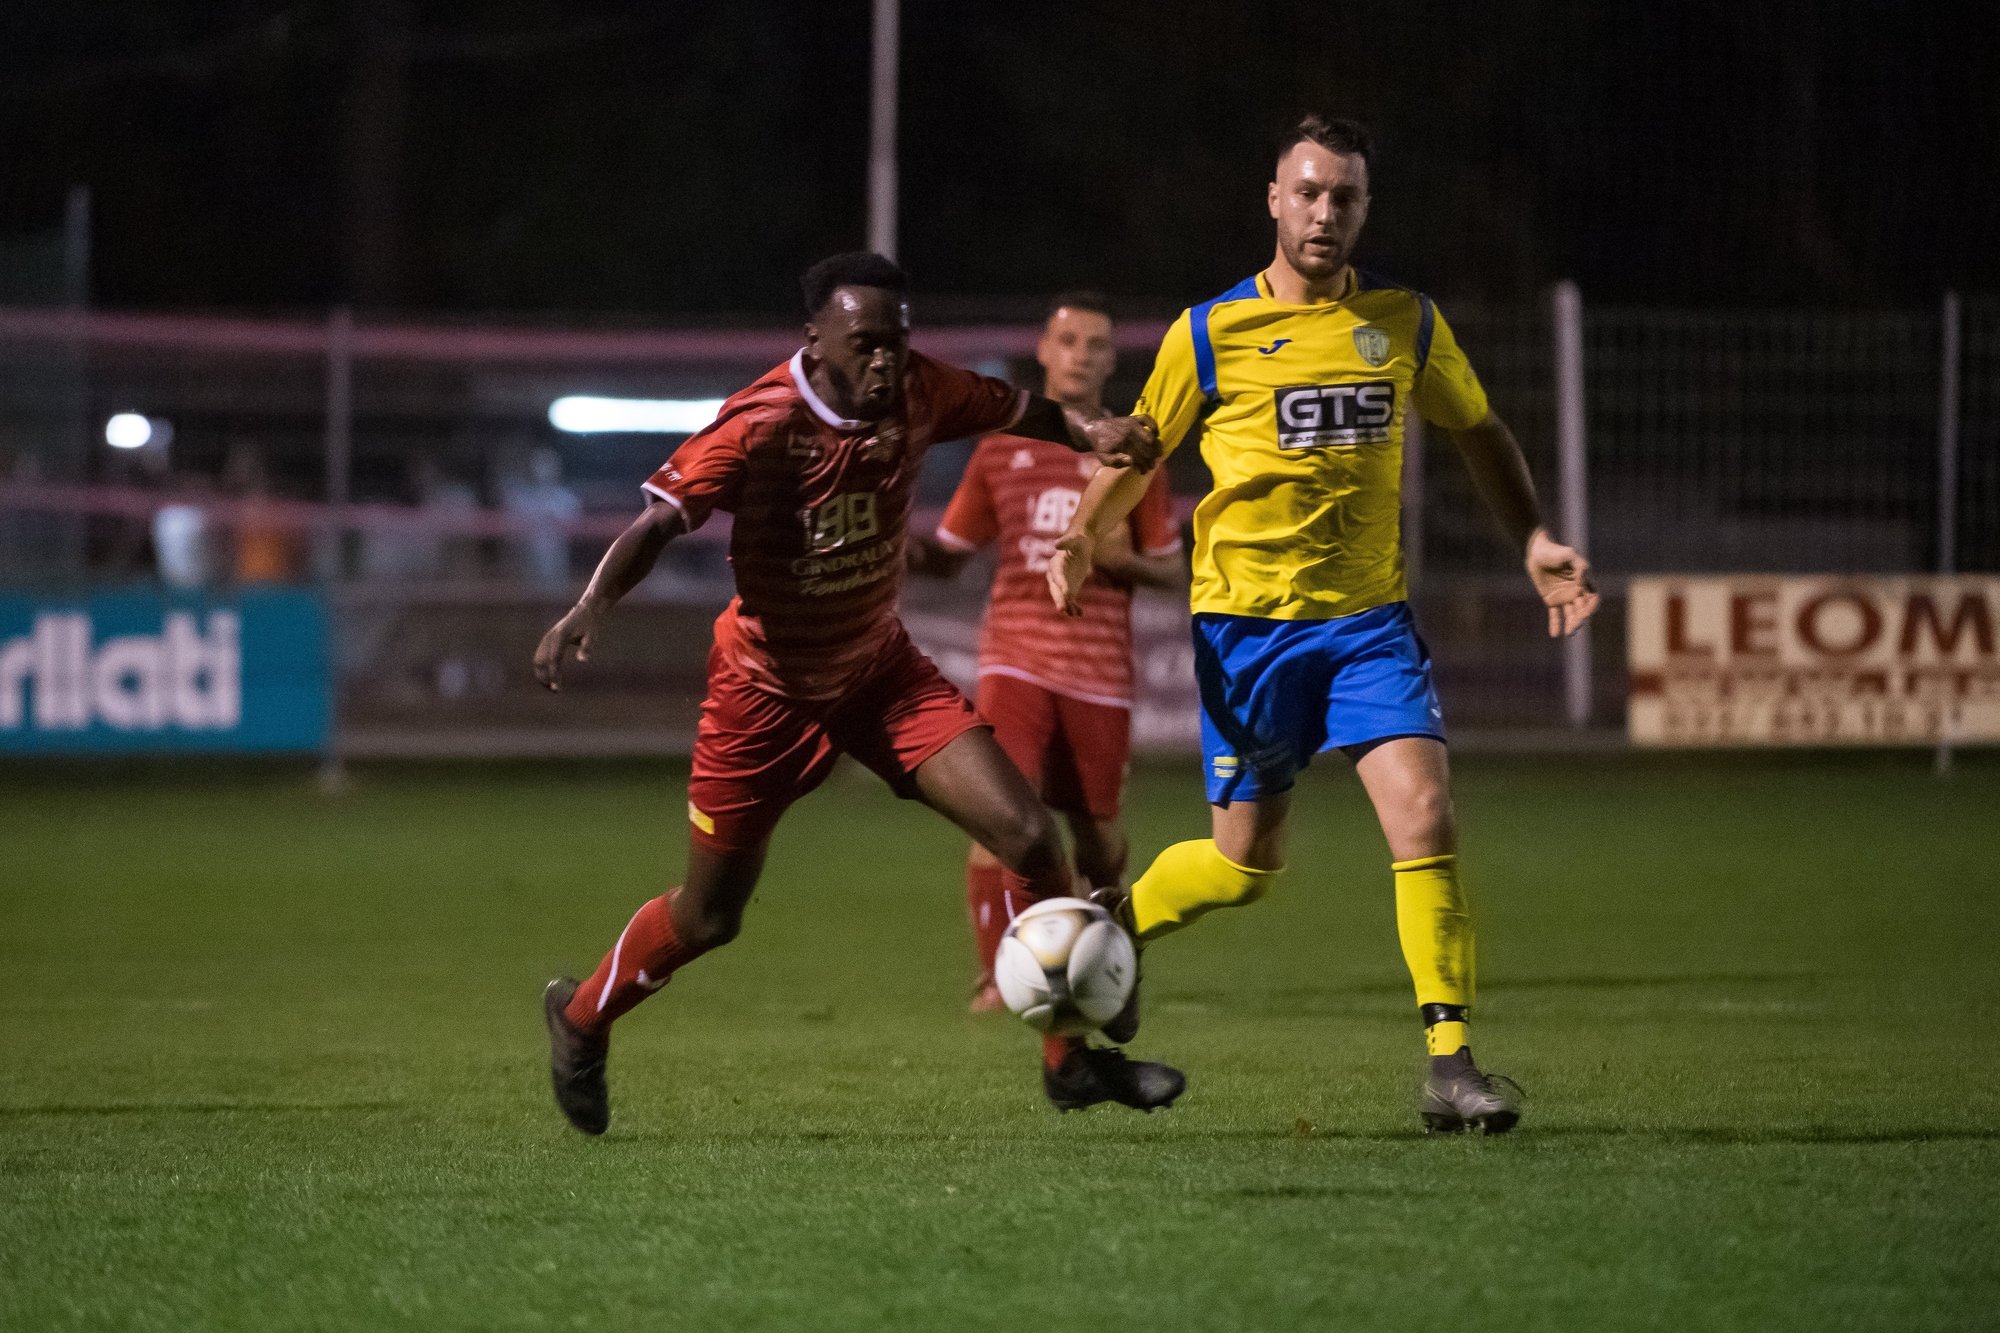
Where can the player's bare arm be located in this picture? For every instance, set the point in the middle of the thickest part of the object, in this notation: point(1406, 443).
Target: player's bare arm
point(1117, 442)
point(928, 556)
point(1108, 500)
point(1116, 560)
point(628, 561)
point(1560, 574)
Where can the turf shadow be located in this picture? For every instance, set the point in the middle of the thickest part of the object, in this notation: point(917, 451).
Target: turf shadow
point(1167, 997)
point(1652, 982)
point(990, 1134)
point(191, 1108)
point(1276, 1193)
point(1802, 1136)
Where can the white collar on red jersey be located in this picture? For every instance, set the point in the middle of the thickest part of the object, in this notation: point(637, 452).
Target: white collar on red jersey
point(815, 402)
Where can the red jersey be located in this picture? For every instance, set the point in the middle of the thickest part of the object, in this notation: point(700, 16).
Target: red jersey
point(820, 505)
point(1023, 493)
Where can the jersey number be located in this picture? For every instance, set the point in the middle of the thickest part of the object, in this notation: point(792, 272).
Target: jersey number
point(843, 519)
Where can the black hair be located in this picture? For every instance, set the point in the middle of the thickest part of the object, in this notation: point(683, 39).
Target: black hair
point(1332, 133)
point(1079, 299)
point(856, 268)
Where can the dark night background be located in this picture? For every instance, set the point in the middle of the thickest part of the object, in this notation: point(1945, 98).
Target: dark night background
point(632, 159)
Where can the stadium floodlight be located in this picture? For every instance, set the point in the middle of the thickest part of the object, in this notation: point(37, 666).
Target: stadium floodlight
point(128, 430)
point(581, 414)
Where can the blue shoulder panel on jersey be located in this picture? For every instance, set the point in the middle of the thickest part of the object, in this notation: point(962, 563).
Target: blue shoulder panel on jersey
point(1204, 347)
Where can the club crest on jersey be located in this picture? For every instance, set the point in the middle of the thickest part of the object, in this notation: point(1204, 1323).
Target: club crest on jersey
point(1372, 344)
point(1022, 461)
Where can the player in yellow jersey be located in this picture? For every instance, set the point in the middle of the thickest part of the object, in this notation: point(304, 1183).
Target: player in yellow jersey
point(1303, 376)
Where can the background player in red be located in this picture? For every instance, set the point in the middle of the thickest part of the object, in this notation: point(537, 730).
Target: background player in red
point(1058, 690)
point(817, 460)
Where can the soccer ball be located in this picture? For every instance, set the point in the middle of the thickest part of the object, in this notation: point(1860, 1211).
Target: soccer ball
point(1065, 966)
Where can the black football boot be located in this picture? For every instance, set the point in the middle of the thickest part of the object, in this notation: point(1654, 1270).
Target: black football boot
point(576, 1062)
point(1090, 1075)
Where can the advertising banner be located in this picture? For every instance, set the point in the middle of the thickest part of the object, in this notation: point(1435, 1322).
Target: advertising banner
point(132, 672)
point(1814, 660)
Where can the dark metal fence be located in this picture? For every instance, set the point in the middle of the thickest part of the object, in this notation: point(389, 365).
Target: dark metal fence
point(1781, 441)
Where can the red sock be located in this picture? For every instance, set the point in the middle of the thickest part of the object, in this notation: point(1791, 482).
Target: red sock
point(1016, 892)
point(1021, 890)
point(986, 902)
point(647, 953)
point(1056, 1049)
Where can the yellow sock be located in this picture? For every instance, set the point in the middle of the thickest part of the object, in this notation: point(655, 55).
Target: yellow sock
point(1187, 880)
point(1436, 933)
point(1446, 1038)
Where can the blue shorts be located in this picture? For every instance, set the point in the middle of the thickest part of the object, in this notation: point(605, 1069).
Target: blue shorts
point(1276, 692)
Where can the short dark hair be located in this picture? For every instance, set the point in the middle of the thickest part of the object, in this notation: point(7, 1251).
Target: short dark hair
point(856, 268)
point(1079, 299)
point(1333, 133)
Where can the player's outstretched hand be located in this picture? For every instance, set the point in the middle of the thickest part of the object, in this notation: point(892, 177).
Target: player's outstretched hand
point(1069, 566)
point(1124, 441)
point(1113, 555)
point(577, 630)
point(1562, 577)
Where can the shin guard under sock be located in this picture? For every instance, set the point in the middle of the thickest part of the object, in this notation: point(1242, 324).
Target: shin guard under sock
point(986, 902)
point(1435, 930)
point(648, 951)
point(1436, 933)
point(1188, 880)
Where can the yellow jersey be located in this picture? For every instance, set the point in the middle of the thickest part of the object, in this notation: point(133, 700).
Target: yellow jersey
point(1304, 408)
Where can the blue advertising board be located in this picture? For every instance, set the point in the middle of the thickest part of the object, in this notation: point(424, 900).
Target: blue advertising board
point(132, 672)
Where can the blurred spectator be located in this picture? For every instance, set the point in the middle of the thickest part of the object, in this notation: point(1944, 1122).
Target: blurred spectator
point(541, 557)
point(25, 536)
point(268, 549)
point(451, 498)
point(436, 548)
point(119, 545)
point(185, 543)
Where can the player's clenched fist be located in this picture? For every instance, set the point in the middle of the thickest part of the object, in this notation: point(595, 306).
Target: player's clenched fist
point(1069, 566)
point(576, 630)
point(1132, 442)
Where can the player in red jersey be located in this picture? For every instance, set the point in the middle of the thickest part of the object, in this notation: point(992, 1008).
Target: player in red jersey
point(1057, 689)
point(817, 460)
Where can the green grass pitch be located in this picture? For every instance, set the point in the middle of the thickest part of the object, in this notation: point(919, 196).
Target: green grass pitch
point(273, 1060)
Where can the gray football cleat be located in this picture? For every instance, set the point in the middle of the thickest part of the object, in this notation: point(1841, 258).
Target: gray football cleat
point(576, 1062)
point(1469, 1102)
point(1117, 900)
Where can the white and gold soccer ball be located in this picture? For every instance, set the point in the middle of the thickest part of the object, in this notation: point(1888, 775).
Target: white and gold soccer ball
point(1065, 966)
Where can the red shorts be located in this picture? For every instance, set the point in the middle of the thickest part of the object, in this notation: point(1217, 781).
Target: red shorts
point(1074, 753)
point(756, 752)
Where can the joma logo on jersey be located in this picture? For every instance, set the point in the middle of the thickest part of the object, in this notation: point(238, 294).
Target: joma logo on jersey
point(1312, 416)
